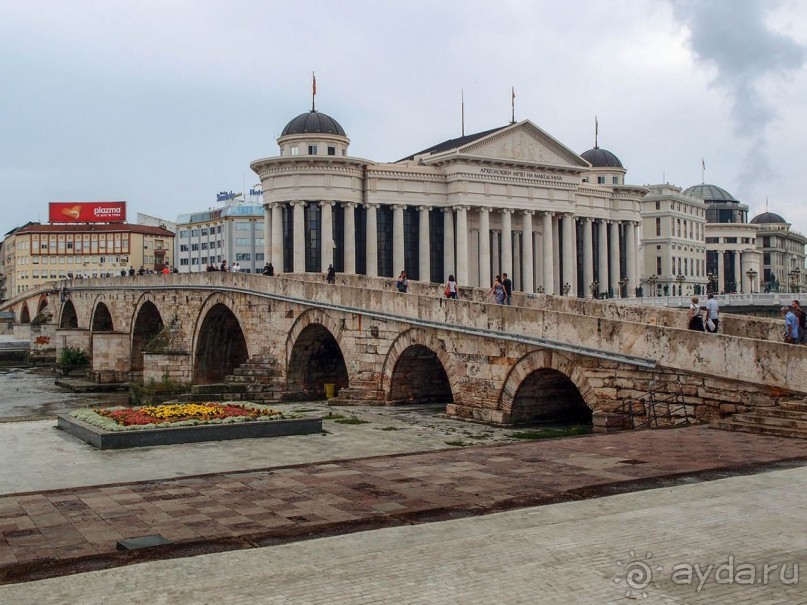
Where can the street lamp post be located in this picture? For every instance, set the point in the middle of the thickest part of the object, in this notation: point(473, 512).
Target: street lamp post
point(652, 281)
point(595, 289)
point(680, 278)
point(795, 276)
point(751, 273)
point(566, 287)
point(712, 279)
point(623, 283)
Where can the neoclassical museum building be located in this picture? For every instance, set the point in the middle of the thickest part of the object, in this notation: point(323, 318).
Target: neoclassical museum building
point(508, 200)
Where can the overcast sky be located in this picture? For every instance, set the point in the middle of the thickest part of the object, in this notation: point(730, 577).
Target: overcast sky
point(164, 103)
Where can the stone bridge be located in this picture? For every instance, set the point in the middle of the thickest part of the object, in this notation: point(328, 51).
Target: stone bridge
point(544, 357)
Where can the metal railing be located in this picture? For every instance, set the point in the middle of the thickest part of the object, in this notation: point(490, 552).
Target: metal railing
point(657, 409)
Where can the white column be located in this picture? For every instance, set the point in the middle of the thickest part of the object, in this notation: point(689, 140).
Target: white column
point(537, 259)
point(371, 241)
point(397, 240)
point(424, 258)
point(739, 276)
point(495, 236)
point(721, 275)
point(557, 283)
point(602, 252)
point(526, 235)
point(326, 235)
point(614, 262)
point(549, 255)
point(349, 237)
point(568, 254)
point(449, 267)
point(507, 242)
point(588, 257)
point(299, 237)
point(515, 277)
point(267, 234)
point(462, 245)
point(484, 247)
point(277, 238)
point(630, 256)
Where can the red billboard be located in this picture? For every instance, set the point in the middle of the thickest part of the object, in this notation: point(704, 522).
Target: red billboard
point(87, 212)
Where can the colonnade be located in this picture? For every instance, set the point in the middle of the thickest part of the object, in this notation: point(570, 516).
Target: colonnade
point(546, 257)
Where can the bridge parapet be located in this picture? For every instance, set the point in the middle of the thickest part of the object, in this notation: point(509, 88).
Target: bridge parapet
point(580, 327)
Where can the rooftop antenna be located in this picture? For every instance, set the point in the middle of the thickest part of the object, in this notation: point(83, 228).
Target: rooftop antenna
point(703, 171)
point(513, 105)
point(596, 132)
point(462, 93)
point(313, 91)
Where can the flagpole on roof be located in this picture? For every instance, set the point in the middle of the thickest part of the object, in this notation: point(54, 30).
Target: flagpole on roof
point(313, 91)
point(513, 105)
point(462, 96)
point(596, 131)
point(703, 171)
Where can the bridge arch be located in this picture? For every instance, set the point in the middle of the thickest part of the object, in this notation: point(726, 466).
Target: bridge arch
point(417, 369)
point(314, 356)
point(101, 318)
point(219, 343)
point(68, 319)
point(42, 304)
point(25, 314)
point(146, 324)
point(546, 386)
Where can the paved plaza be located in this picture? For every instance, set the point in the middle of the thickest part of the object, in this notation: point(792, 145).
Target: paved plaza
point(399, 516)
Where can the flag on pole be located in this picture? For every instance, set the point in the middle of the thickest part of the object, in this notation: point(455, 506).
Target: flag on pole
point(513, 104)
point(313, 91)
point(596, 130)
point(703, 164)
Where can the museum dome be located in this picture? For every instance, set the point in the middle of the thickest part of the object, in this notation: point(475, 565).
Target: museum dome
point(709, 193)
point(313, 122)
point(601, 158)
point(767, 218)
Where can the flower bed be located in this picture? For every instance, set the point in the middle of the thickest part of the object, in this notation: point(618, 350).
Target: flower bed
point(182, 423)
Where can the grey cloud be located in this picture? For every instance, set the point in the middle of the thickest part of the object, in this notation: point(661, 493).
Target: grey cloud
point(733, 37)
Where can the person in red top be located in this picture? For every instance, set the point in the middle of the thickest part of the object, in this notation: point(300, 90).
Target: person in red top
point(166, 270)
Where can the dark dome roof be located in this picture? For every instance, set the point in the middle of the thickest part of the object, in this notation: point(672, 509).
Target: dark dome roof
point(768, 217)
point(601, 158)
point(313, 122)
point(709, 193)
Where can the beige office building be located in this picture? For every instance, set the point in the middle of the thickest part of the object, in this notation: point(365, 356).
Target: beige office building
point(35, 254)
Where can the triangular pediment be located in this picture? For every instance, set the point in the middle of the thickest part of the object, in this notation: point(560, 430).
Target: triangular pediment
point(523, 142)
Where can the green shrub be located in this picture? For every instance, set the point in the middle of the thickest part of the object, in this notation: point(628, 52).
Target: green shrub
point(73, 357)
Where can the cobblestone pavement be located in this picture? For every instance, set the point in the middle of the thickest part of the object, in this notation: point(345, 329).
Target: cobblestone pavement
point(694, 544)
point(48, 532)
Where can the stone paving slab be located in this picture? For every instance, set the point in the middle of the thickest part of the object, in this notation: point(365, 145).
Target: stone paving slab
point(578, 552)
point(48, 531)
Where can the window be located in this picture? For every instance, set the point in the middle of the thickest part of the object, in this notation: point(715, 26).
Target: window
point(615, 180)
point(600, 180)
point(658, 265)
point(331, 150)
point(183, 261)
point(295, 150)
point(658, 205)
point(194, 247)
point(204, 231)
point(195, 232)
point(204, 245)
point(312, 150)
point(585, 180)
point(243, 256)
point(242, 226)
point(183, 247)
point(658, 225)
point(243, 242)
